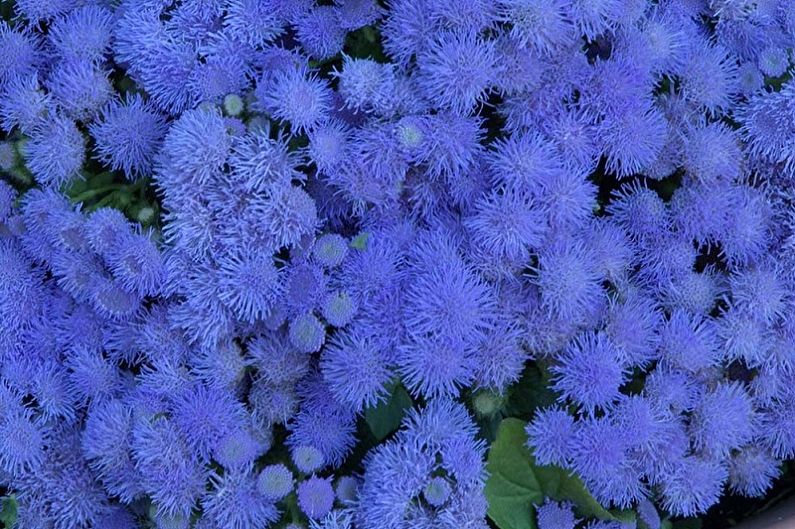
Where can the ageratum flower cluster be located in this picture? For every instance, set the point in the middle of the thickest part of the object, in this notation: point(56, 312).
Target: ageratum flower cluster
point(435, 215)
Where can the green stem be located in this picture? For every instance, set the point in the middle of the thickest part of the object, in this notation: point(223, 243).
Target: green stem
point(91, 193)
point(105, 200)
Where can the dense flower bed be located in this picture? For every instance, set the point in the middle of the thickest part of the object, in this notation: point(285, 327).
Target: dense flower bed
point(386, 265)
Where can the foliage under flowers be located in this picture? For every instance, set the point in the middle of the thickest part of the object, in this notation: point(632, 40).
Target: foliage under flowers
point(272, 263)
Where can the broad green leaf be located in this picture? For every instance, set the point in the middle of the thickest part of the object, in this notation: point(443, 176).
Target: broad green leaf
point(516, 482)
point(560, 484)
point(530, 392)
point(627, 515)
point(512, 487)
point(360, 241)
point(688, 523)
point(8, 514)
point(385, 418)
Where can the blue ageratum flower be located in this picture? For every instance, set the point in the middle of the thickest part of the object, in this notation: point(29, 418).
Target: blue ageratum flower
point(339, 309)
point(305, 286)
point(7, 197)
point(407, 30)
point(633, 139)
point(56, 151)
point(508, 225)
point(111, 300)
point(195, 148)
point(106, 444)
point(307, 459)
point(52, 391)
point(300, 98)
point(354, 14)
point(400, 471)
point(290, 215)
point(320, 32)
point(500, 358)
point(91, 377)
point(39, 10)
point(550, 435)
point(761, 293)
point(775, 424)
point(689, 342)
point(724, 420)
point(23, 103)
point(355, 369)
point(601, 456)
point(128, 134)
point(223, 70)
point(260, 163)
point(164, 69)
point(222, 366)
point(329, 145)
point(752, 472)
point(275, 482)
point(236, 502)
point(83, 34)
point(330, 250)
point(369, 86)
point(456, 71)
point(709, 78)
point(590, 371)
point(250, 284)
point(316, 497)
point(746, 232)
point(307, 333)
point(693, 485)
point(80, 87)
point(254, 22)
point(278, 362)
point(22, 444)
point(20, 52)
point(469, 15)
point(137, 265)
point(524, 161)
point(569, 281)
point(712, 152)
point(446, 298)
point(554, 515)
point(322, 422)
point(542, 26)
point(203, 415)
point(634, 326)
point(592, 18)
point(639, 210)
point(170, 472)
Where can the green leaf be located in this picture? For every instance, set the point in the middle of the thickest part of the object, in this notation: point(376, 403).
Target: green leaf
point(516, 482)
point(512, 487)
point(365, 43)
point(530, 392)
point(688, 523)
point(360, 241)
point(560, 484)
point(629, 516)
point(8, 514)
point(385, 418)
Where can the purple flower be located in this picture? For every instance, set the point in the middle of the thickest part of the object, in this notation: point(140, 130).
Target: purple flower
point(550, 435)
point(55, 152)
point(456, 71)
point(128, 134)
point(590, 371)
point(315, 497)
